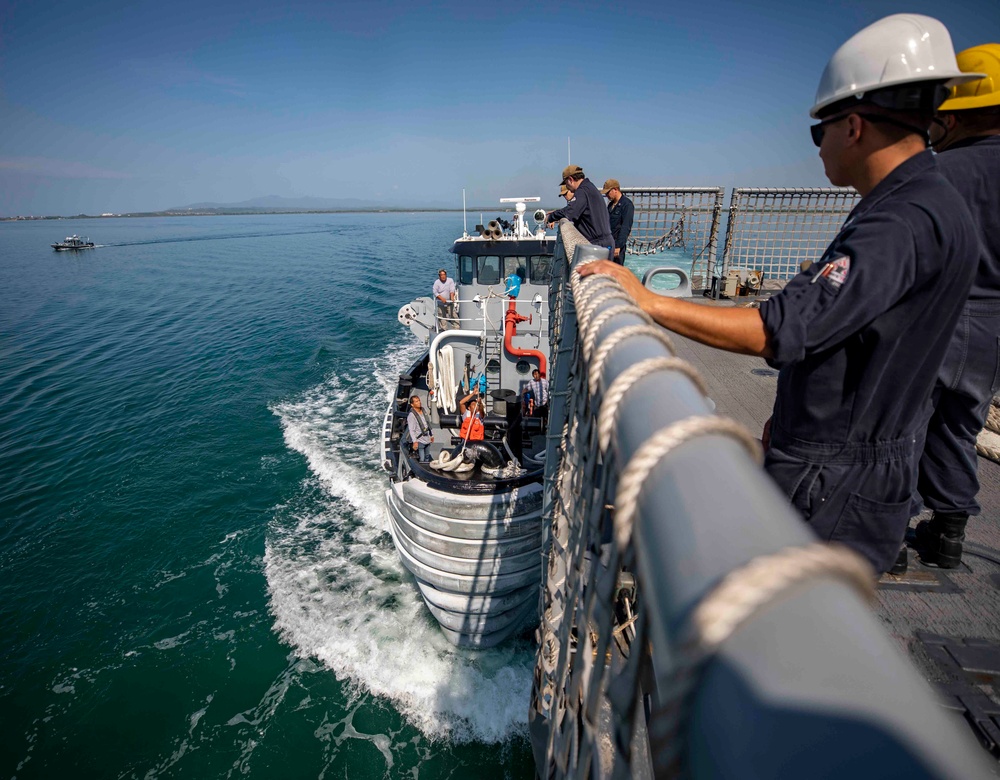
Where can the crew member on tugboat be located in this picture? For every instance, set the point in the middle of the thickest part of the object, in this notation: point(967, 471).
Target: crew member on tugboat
point(472, 417)
point(418, 429)
point(860, 336)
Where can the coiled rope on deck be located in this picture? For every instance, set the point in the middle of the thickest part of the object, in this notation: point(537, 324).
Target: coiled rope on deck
point(988, 441)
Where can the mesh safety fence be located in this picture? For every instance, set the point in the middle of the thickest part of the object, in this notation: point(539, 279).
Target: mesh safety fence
point(774, 230)
point(680, 217)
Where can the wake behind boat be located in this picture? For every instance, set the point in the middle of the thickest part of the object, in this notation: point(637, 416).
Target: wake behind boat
point(73, 242)
point(468, 523)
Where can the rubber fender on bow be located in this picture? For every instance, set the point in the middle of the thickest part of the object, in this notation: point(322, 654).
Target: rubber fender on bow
point(484, 453)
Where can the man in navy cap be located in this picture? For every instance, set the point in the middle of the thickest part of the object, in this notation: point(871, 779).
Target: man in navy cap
point(586, 211)
point(621, 212)
point(860, 335)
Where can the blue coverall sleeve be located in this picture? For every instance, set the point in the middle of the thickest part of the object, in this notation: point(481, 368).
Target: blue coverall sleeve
point(628, 214)
point(572, 210)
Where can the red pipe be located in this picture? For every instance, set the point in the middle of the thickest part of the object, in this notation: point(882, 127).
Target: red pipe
point(510, 330)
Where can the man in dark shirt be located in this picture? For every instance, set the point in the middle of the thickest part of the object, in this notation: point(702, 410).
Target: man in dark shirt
point(620, 214)
point(586, 211)
point(967, 134)
point(860, 336)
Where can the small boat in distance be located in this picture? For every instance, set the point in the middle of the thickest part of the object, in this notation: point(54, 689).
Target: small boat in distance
point(73, 242)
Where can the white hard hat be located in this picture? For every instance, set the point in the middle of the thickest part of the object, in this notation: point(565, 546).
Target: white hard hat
point(897, 50)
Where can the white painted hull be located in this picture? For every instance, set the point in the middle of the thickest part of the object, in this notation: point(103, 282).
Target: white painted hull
point(479, 566)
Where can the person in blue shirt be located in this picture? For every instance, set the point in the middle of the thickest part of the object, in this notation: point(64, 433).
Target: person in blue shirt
point(538, 387)
point(967, 137)
point(860, 335)
point(586, 210)
point(621, 212)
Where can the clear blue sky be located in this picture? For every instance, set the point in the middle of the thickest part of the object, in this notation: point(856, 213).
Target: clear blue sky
point(147, 105)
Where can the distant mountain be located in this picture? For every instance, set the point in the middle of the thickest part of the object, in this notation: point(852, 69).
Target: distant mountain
point(278, 203)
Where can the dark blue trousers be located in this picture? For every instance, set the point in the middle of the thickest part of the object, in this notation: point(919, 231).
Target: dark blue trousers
point(857, 494)
point(970, 377)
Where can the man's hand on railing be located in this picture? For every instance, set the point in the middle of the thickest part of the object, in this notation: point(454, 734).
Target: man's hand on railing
point(627, 279)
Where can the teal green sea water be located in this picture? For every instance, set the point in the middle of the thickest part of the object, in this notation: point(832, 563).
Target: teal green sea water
point(197, 578)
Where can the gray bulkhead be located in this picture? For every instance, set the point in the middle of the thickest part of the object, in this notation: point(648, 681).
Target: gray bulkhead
point(480, 272)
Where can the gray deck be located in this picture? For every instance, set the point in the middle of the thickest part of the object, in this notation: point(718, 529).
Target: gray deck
point(956, 606)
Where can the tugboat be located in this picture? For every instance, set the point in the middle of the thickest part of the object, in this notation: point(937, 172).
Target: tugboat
point(73, 242)
point(468, 523)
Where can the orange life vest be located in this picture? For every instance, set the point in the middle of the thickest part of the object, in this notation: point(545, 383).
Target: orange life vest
point(478, 432)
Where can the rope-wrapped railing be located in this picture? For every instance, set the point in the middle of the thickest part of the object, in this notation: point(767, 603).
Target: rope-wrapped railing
point(690, 623)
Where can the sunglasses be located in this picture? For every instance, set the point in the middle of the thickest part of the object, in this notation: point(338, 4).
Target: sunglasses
point(818, 130)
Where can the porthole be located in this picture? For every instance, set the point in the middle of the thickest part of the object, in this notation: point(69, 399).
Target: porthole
point(523, 366)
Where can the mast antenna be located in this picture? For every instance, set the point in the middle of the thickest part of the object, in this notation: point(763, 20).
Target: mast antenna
point(465, 222)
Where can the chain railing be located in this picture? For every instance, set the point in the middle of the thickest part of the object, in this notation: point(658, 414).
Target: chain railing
point(690, 623)
point(685, 217)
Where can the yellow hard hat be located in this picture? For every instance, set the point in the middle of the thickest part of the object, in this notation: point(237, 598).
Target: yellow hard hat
point(983, 92)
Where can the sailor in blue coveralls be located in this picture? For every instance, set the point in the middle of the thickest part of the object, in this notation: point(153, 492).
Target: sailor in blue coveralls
point(860, 336)
point(586, 211)
point(967, 133)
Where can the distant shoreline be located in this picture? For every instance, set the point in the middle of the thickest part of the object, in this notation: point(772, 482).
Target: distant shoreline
point(255, 212)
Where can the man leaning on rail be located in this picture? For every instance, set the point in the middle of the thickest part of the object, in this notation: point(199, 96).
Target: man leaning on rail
point(586, 210)
point(967, 135)
point(859, 336)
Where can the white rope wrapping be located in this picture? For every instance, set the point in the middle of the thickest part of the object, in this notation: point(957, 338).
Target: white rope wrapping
point(594, 302)
point(594, 326)
point(664, 441)
point(730, 604)
point(742, 592)
point(599, 284)
point(607, 418)
point(601, 355)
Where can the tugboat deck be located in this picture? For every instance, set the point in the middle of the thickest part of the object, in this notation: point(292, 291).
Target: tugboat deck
point(947, 622)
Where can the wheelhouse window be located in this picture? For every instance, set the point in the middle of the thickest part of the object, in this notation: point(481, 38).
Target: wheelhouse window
point(466, 270)
point(489, 269)
point(515, 265)
point(540, 267)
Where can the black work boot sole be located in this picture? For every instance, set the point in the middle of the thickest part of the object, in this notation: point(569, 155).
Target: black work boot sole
point(902, 563)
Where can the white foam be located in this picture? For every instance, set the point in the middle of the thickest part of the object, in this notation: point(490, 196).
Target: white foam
point(338, 591)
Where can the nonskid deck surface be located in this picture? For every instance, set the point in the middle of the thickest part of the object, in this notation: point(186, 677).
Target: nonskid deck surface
point(947, 622)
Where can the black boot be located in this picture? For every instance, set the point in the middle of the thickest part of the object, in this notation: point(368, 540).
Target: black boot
point(949, 546)
point(899, 567)
point(925, 538)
